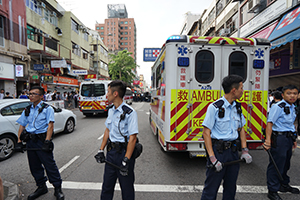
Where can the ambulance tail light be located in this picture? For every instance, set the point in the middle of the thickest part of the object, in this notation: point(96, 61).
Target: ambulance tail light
point(201, 41)
point(176, 146)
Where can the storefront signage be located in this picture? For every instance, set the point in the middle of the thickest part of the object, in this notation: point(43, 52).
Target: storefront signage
point(65, 81)
point(19, 70)
point(58, 64)
point(135, 82)
point(47, 79)
point(265, 33)
point(35, 76)
point(267, 15)
point(6, 71)
point(38, 67)
point(90, 76)
point(80, 72)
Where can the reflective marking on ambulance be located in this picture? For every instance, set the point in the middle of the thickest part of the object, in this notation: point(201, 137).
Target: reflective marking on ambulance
point(181, 120)
point(218, 40)
point(92, 105)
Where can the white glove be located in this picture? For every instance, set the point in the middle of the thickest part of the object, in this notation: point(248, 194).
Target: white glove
point(246, 155)
point(217, 164)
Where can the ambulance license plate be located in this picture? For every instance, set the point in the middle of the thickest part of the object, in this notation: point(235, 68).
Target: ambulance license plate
point(87, 107)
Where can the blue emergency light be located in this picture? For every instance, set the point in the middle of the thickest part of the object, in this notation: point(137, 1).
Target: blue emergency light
point(183, 61)
point(258, 64)
point(177, 38)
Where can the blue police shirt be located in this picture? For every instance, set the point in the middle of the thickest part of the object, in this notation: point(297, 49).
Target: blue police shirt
point(128, 126)
point(37, 123)
point(224, 128)
point(281, 121)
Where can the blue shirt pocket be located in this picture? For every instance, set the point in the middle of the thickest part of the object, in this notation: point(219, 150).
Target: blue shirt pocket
point(223, 124)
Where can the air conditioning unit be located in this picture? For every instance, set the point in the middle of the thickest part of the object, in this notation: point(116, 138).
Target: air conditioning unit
point(76, 46)
point(224, 32)
point(41, 4)
point(253, 4)
point(47, 36)
point(37, 30)
point(92, 52)
point(53, 14)
point(80, 27)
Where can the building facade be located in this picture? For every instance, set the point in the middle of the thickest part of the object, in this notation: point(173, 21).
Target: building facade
point(118, 32)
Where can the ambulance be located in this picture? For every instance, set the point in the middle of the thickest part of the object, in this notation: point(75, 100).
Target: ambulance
point(186, 77)
point(92, 97)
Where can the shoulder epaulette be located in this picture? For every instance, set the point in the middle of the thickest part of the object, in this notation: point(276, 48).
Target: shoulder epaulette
point(126, 109)
point(27, 110)
point(218, 104)
point(238, 107)
point(281, 105)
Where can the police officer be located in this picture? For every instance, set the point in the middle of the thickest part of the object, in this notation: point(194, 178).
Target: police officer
point(38, 136)
point(223, 125)
point(121, 123)
point(280, 139)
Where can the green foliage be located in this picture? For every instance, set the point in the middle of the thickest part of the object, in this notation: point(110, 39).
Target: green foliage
point(121, 66)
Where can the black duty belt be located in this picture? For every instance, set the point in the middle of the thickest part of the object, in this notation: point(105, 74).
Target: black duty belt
point(281, 133)
point(117, 144)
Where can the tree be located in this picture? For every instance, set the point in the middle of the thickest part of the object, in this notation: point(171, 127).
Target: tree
point(121, 66)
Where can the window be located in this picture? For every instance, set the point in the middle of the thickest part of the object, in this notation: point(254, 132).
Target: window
point(98, 28)
point(0, 2)
point(86, 36)
point(238, 64)
point(84, 54)
point(204, 70)
point(34, 34)
point(158, 76)
point(125, 22)
point(126, 33)
point(76, 49)
point(126, 27)
point(99, 90)
point(102, 33)
point(75, 26)
point(122, 23)
point(52, 44)
point(126, 43)
point(32, 4)
point(1, 31)
point(219, 7)
point(19, 108)
point(50, 17)
point(94, 47)
point(102, 28)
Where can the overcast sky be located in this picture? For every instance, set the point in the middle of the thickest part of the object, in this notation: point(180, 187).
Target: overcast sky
point(155, 20)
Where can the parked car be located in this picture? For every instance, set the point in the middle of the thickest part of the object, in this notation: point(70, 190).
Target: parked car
point(10, 111)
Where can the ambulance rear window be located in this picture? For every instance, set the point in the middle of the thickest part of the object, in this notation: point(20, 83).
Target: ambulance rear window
point(238, 64)
point(204, 70)
point(92, 90)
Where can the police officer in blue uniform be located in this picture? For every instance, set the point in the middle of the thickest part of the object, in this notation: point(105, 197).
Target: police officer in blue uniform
point(121, 123)
point(223, 125)
point(38, 136)
point(281, 139)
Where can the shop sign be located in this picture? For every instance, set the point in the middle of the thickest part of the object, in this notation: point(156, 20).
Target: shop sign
point(65, 80)
point(35, 76)
point(58, 64)
point(38, 67)
point(19, 70)
point(90, 76)
point(135, 82)
point(80, 72)
point(6, 71)
point(47, 79)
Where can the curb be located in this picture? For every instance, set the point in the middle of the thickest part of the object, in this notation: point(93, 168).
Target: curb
point(13, 192)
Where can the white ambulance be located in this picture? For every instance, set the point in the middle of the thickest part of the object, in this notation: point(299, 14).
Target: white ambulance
point(92, 97)
point(186, 78)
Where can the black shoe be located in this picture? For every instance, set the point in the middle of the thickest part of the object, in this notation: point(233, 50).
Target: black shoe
point(273, 196)
point(42, 189)
point(288, 188)
point(58, 193)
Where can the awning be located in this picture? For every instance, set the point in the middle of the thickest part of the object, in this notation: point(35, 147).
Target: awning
point(287, 29)
point(266, 32)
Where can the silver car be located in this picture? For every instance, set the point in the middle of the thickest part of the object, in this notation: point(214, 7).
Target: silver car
point(10, 111)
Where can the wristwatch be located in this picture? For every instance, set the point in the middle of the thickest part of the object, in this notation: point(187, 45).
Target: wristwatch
point(245, 149)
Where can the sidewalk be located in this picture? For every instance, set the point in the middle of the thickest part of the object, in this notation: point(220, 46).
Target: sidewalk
point(11, 191)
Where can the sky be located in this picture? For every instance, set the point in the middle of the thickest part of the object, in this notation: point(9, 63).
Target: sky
point(155, 20)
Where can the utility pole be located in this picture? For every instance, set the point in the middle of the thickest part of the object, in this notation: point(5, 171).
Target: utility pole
point(97, 59)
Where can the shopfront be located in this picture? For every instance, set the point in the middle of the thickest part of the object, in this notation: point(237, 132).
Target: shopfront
point(285, 51)
point(7, 77)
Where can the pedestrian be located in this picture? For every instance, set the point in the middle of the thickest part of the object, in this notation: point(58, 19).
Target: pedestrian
point(75, 97)
point(53, 96)
point(7, 96)
point(1, 93)
point(1, 190)
point(23, 96)
point(280, 140)
point(120, 137)
point(48, 96)
point(38, 135)
point(223, 126)
point(277, 96)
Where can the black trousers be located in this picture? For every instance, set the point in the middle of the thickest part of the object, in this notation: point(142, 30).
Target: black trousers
point(39, 161)
point(111, 175)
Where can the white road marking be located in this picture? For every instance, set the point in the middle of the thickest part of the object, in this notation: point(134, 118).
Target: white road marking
point(100, 137)
point(68, 164)
point(163, 188)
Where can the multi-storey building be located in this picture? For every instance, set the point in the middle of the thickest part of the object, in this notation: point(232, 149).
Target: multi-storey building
point(118, 31)
point(14, 60)
point(276, 20)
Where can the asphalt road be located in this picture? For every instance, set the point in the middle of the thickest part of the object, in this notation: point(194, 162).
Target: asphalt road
point(158, 175)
